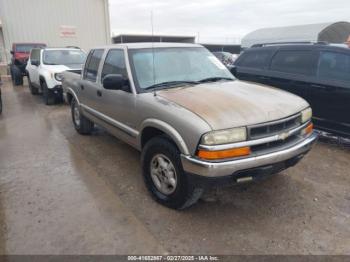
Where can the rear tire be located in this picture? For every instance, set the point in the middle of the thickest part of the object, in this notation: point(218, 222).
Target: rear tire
point(83, 125)
point(16, 76)
point(49, 97)
point(161, 163)
point(33, 89)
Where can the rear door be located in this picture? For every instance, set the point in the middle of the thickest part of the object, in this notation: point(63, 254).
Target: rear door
point(293, 70)
point(330, 95)
point(89, 87)
point(252, 64)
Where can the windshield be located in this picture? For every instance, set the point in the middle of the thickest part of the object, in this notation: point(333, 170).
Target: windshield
point(63, 57)
point(176, 65)
point(27, 47)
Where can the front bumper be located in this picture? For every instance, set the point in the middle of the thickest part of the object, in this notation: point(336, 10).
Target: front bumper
point(209, 169)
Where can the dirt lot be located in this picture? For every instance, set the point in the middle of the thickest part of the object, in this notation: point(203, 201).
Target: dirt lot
point(63, 193)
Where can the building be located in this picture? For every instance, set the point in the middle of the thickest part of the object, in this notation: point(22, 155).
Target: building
point(337, 32)
point(83, 23)
point(133, 38)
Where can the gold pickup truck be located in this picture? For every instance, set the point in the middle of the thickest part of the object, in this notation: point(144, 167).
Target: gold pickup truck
point(194, 123)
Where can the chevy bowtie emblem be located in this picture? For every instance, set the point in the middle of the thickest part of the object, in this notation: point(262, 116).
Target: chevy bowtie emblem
point(283, 136)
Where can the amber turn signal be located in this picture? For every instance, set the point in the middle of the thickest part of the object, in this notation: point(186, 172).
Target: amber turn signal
point(229, 153)
point(309, 129)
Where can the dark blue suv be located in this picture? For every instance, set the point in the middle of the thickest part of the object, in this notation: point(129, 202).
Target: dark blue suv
point(318, 72)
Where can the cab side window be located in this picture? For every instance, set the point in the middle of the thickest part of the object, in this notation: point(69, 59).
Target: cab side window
point(92, 64)
point(255, 59)
point(114, 64)
point(294, 62)
point(35, 55)
point(334, 66)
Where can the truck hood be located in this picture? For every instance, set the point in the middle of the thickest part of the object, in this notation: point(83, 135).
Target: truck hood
point(61, 68)
point(235, 103)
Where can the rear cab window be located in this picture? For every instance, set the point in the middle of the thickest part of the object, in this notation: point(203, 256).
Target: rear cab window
point(92, 65)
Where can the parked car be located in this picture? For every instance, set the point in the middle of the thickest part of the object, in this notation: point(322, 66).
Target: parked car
point(226, 58)
point(20, 54)
point(320, 73)
point(45, 69)
point(193, 122)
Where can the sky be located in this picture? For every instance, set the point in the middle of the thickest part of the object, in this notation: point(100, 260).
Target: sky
point(220, 21)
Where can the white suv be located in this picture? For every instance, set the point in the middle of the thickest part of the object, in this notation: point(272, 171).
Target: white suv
point(45, 67)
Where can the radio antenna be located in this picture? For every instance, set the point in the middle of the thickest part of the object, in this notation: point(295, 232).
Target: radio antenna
point(154, 71)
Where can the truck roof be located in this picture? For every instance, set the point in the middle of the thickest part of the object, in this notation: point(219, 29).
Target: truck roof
point(60, 48)
point(149, 45)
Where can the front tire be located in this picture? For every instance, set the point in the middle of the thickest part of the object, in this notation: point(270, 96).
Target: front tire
point(83, 125)
point(49, 97)
point(16, 76)
point(33, 90)
point(164, 176)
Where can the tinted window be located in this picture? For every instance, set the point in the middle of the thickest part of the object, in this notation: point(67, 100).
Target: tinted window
point(295, 62)
point(114, 64)
point(35, 54)
point(92, 65)
point(334, 66)
point(256, 59)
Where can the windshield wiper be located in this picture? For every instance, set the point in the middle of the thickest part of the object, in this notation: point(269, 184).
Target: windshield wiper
point(214, 79)
point(169, 84)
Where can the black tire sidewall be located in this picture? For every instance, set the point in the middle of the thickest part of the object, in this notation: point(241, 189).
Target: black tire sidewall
point(32, 89)
point(16, 75)
point(73, 103)
point(162, 145)
point(49, 98)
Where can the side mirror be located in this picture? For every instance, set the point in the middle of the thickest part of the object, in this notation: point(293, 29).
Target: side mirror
point(12, 52)
point(233, 70)
point(115, 82)
point(35, 62)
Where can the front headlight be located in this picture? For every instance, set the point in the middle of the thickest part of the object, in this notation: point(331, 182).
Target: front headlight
point(306, 115)
point(59, 77)
point(225, 136)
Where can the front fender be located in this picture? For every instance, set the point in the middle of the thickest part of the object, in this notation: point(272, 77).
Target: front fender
point(167, 129)
point(71, 92)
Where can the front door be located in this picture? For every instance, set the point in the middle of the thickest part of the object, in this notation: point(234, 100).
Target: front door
point(118, 105)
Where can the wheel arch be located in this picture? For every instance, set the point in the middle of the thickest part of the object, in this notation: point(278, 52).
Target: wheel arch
point(153, 127)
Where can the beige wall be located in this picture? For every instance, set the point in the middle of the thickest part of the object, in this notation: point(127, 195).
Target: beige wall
point(42, 20)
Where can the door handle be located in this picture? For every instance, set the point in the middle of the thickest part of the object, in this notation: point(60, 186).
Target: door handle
point(99, 93)
point(327, 88)
point(264, 77)
point(82, 87)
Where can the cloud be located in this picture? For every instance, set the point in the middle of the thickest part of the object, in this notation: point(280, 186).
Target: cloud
point(221, 20)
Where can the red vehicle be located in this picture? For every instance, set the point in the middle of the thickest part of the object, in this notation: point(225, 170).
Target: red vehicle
point(20, 54)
